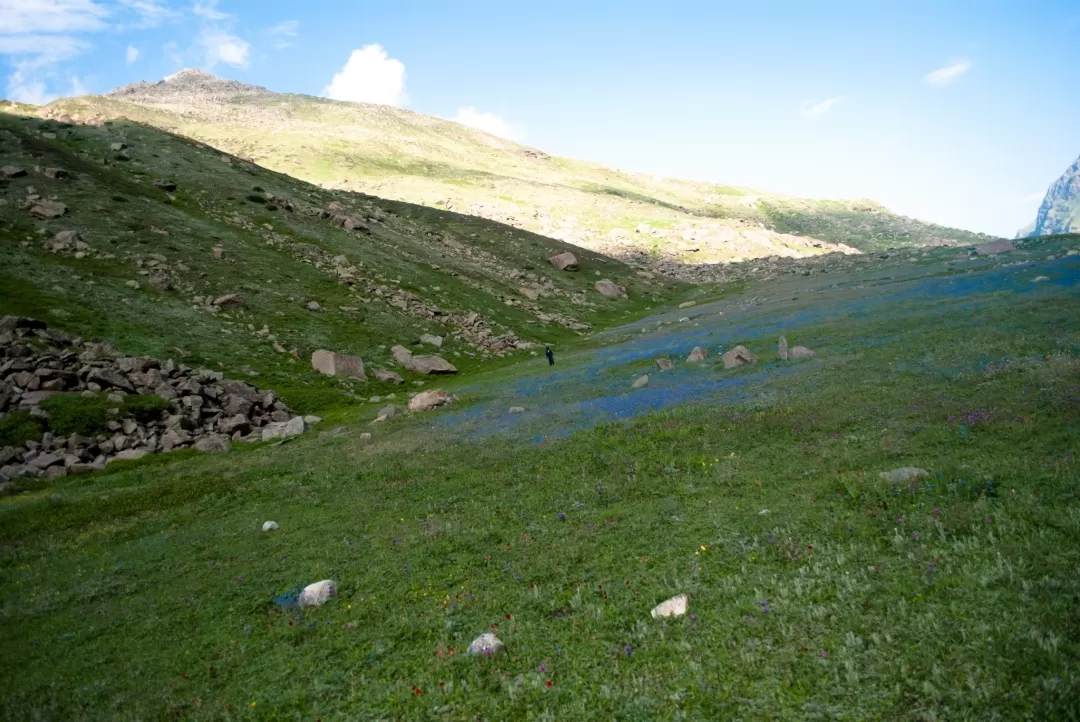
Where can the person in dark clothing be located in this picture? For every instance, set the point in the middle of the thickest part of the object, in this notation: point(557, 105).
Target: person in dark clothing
point(550, 355)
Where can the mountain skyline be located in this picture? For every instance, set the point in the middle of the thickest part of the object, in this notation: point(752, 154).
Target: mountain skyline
point(926, 110)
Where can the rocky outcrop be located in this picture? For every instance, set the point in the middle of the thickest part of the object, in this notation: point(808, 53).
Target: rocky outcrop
point(199, 408)
point(1060, 209)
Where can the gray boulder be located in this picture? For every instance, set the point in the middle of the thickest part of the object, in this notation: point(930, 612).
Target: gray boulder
point(565, 261)
point(335, 364)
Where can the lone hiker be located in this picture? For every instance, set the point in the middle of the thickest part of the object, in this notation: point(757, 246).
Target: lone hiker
point(551, 356)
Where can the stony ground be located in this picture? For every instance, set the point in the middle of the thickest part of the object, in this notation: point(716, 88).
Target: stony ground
point(816, 588)
point(171, 249)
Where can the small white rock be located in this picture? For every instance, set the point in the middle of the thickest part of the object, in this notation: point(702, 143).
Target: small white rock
point(315, 595)
point(517, 409)
point(487, 644)
point(1040, 279)
point(312, 420)
point(269, 525)
point(674, 607)
point(763, 512)
point(641, 381)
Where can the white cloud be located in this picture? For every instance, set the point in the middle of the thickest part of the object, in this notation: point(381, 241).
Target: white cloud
point(219, 46)
point(1032, 197)
point(131, 55)
point(44, 48)
point(286, 28)
point(50, 16)
point(948, 74)
point(812, 111)
point(77, 87)
point(487, 122)
point(151, 13)
point(370, 76)
point(208, 9)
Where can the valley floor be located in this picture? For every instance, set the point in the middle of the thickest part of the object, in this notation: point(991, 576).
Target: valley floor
point(817, 589)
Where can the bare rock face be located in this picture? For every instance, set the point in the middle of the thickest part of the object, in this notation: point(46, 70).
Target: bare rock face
point(610, 289)
point(664, 364)
point(426, 400)
point(335, 364)
point(564, 261)
point(697, 354)
point(738, 356)
point(782, 349)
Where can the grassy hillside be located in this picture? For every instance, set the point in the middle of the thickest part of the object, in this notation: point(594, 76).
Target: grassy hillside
point(148, 276)
point(406, 156)
point(817, 589)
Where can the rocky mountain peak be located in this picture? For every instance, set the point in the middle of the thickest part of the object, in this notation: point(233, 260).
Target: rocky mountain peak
point(187, 84)
point(1060, 209)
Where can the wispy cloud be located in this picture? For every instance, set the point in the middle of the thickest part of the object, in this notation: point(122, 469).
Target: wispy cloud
point(370, 75)
point(208, 9)
point(149, 14)
point(487, 122)
point(813, 111)
point(1032, 197)
point(50, 16)
point(949, 74)
point(131, 55)
point(286, 28)
point(283, 30)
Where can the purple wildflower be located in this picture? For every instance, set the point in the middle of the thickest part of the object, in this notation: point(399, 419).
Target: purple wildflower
point(561, 516)
point(628, 649)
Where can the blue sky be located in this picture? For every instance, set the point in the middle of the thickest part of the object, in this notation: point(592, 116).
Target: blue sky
point(961, 113)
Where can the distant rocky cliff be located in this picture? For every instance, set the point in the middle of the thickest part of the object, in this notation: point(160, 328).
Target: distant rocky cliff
point(1060, 209)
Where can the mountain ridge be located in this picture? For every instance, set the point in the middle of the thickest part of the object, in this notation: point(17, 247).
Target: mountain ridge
point(679, 227)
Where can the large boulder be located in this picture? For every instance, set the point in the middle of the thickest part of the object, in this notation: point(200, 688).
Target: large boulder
point(46, 209)
point(336, 364)
point(738, 356)
point(402, 355)
point(610, 289)
point(432, 340)
point(697, 354)
point(283, 429)
point(800, 352)
point(664, 364)
point(427, 400)
point(431, 365)
point(388, 376)
point(565, 261)
point(212, 443)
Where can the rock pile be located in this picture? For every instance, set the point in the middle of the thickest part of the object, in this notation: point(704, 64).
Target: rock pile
point(203, 409)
